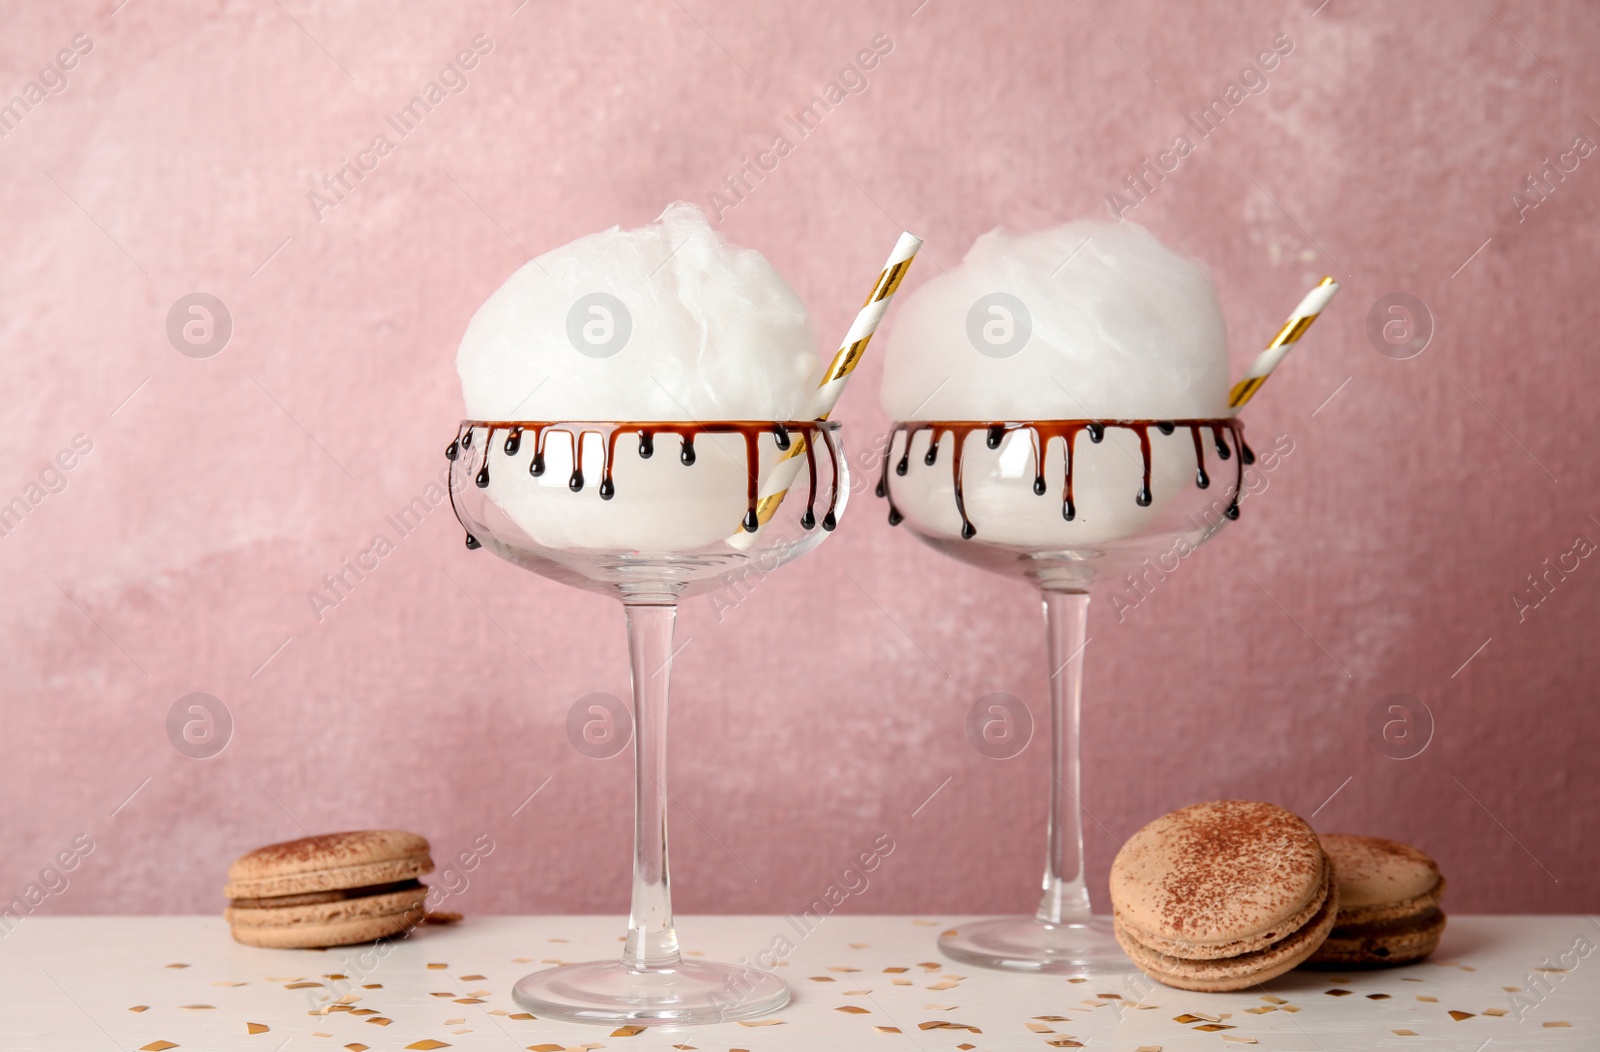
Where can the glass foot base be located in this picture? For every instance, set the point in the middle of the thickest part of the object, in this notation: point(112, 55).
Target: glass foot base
point(1025, 944)
point(690, 992)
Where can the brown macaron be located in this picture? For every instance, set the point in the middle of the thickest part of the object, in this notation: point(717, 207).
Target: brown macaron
point(330, 890)
point(1388, 904)
point(1222, 895)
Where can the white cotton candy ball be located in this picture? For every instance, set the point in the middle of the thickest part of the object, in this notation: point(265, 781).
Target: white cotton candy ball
point(1090, 319)
point(667, 322)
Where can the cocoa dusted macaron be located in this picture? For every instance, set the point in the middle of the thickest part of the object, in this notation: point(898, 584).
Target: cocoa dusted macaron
point(1388, 904)
point(1222, 895)
point(330, 890)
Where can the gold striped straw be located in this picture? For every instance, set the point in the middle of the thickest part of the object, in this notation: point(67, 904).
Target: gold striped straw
point(1292, 330)
point(827, 394)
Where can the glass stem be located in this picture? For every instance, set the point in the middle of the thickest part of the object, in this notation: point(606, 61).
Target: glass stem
point(652, 941)
point(1066, 896)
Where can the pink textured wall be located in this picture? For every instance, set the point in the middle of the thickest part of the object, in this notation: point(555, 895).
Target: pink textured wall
point(1381, 557)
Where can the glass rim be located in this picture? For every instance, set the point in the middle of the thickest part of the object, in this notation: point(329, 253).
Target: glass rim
point(630, 425)
point(1219, 421)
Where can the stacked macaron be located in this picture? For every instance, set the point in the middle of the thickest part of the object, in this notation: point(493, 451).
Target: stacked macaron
point(1222, 895)
point(1388, 904)
point(330, 890)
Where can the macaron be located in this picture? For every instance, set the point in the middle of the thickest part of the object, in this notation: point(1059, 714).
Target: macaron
point(1222, 895)
point(1388, 904)
point(330, 890)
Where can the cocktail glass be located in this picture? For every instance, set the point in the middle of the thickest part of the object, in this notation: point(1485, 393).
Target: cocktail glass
point(1136, 499)
point(552, 517)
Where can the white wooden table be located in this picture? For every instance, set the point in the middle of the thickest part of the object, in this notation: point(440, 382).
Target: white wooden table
point(79, 983)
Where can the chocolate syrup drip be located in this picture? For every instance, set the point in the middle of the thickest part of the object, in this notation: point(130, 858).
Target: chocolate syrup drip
point(750, 431)
point(1041, 433)
point(830, 520)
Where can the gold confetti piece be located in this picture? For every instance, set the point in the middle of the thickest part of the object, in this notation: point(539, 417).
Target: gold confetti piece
point(140, 1008)
point(860, 945)
point(284, 978)
point(887, 1029)
point(335, 975)
point(1102, 1004)
point(1211, 1028)
point(932, 966)
point(307, 985)
point(1408, 979)
point(854, 1010)
point(1052, 1018)
point(1077, 980)
point(380, 1020)
point(373, 986)
point(442, 993)
point(176, 966)
point(1493, 1011)
point(1187, 1018)
point(438, 967)
point(1110, 997)
point(924, 924)
point(1466, 968)
point(1512, 989)
point(1338, 993)
point(225, 982)
point(1040, 1028)
point(316, 1033)
point(256, 1028)
point(1459, 1016)
point(1555, 1024)
point(469, 1000)
point(428, 1043)
point(522, 1015)
point(1063, 1042)
point(1377, 997)
point(353, 1011)
point(1239, 1039)
point(160, 1046)
point(197, 1008)
point(827, 978)
point(468, 1030)
point(842, 968)
point(761, 1022)
point(454, 1022)
point(627, 1031)
point(685, 1048)
point(1262, 1010)
point(1273, 999)
point(546, 1048)
point(474, 978)
point(945, 985)
point(1289, 1008)
point(1429, 1000)
point(1148, 1048)
point(902, 982)
point(1404, 1033)
point(895, 971)
point(857, 993)
point(356, 1046)
point(965, 1046)
point(945, 1024)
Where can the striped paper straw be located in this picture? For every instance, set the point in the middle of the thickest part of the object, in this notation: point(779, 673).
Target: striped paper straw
point(827, 394)
point(1292, 330)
